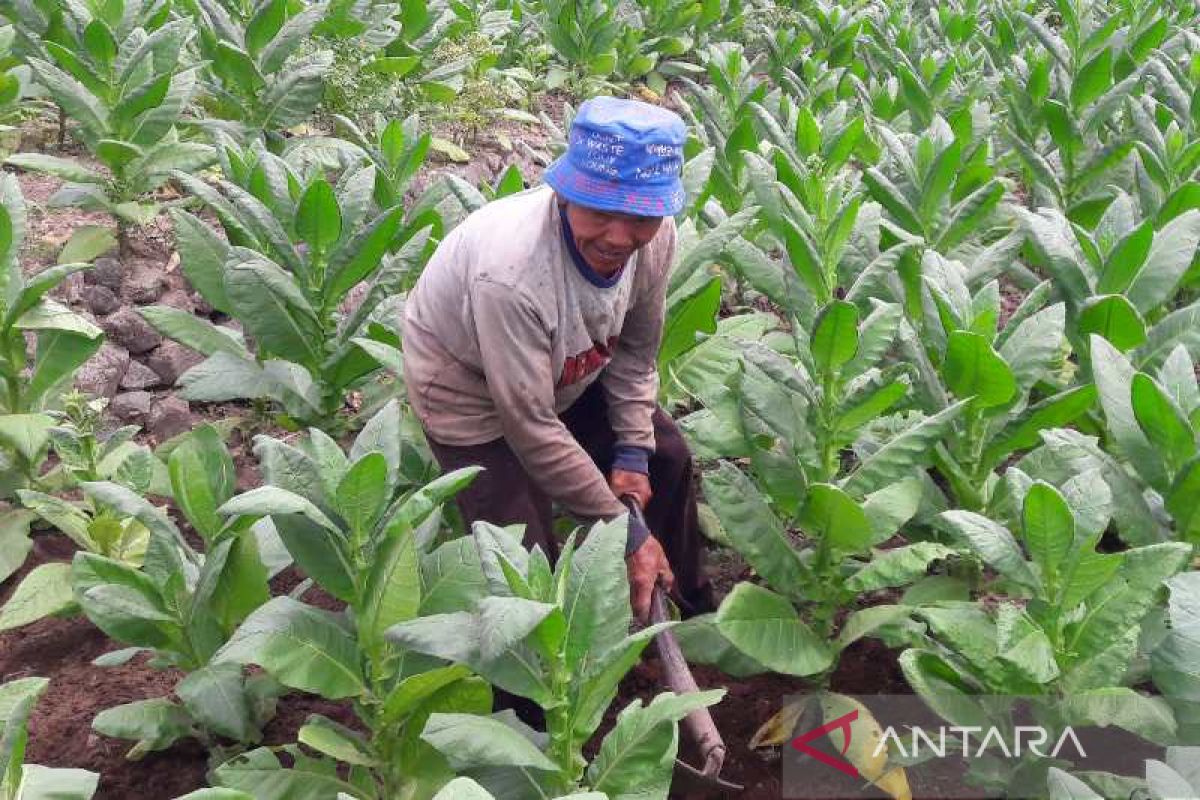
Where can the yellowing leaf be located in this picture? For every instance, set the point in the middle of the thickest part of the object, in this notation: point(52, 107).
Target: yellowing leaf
point(778, 729)
point(866, 751)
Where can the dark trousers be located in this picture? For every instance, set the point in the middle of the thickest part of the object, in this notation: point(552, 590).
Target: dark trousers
point(504, 494)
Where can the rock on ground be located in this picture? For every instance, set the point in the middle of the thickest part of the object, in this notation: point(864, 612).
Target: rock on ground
point(100, 300)
point(169, 416)
point(177, 298)
point(132, 407)
point(108, 272)
point(101, 374)
point(145, 282)
point(127, 328)
point(171, 360)
point(139, 376)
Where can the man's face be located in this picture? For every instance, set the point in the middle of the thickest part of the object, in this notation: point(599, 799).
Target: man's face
point(606, 239)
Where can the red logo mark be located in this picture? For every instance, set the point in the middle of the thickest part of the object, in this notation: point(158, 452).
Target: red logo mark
point(578, 367)
point(841, 765)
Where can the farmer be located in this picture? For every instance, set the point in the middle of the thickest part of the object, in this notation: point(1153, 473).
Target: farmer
point(531, 342)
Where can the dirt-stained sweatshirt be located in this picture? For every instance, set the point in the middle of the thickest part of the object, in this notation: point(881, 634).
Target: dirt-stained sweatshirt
point(503, 332)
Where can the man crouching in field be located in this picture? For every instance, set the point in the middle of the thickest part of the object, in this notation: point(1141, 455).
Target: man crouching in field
point(530, 345)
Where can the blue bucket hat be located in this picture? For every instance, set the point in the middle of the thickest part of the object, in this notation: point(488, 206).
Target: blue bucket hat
point(624, 156)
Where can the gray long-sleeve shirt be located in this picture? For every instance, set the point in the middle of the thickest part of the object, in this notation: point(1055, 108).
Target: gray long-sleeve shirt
point(503, 333)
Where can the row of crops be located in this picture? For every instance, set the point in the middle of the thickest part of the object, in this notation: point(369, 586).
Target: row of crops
point(932, 333)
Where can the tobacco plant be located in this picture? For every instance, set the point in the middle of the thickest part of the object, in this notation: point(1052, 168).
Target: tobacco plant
point(1075, 86)
point(584, 36)
point(123, 77)
point(294, 253)
point(999, 371)
point(358, 528)
point(719, 114)
point(182, 606)
point(1121, 280)
point(810, 205)
point(91, 525)
point(21, 781)
point(63, 341)
point(798, 422)
point(1065, 632)
point(559, 637)
point(1152, 418)
point(1168, 152)
point(256, 82)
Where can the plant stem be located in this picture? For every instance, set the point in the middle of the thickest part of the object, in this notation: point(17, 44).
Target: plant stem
point(558, 725)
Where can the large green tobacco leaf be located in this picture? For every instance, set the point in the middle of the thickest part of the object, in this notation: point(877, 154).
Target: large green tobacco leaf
point(1065, 786)
point(46, 590)
point(202, 256)
point(693, 314)
point(56, 783)
point(753, 529)
point(155, 724)
point(1068, 453)
point(452, 578)
point(202, 479)
point(835, 336)
point(17, 698)
point(766, 627)
point(469, 742)
point(1114, 318)
point(1021, 432)
point(274, 310)
point(1147, 716)
point(1105, 638)
point(26, 434)
point(1170, 255)
point(463, 789)
point(995, 545)
point(1163, 421)
point(273, 501)
point(1175, 663)
point(898, 566)
point(596, 603)
point(1114, 380)
point(194, 332)
point(834, 518)
point(317, 552)
point(635, 757)
point(309, 469)
point(362, 493)
point(1035, 346)
point(1049, 529)
point(300, 646)
point(974, 370)
point(336, 741)
point(410, 693)
point(942, 687)
point(318, 218)
point(393, 589)
point(898, 458)
point(215, 696)
point(260, 774)
point(422, 503)
point(15, 543)
point(489, 640)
